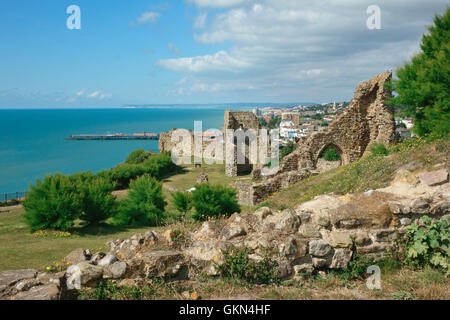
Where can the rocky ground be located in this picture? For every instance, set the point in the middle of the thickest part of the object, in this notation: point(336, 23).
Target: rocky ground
point(319, 235)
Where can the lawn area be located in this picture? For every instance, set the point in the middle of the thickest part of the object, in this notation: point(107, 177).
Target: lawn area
point(20, 249)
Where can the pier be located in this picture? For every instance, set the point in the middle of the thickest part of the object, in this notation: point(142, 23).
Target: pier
point(115, 136)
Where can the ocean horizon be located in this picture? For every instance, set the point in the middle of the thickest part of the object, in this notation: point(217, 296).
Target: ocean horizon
point(33, 145)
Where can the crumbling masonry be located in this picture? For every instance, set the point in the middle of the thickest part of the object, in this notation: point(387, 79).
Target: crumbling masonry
point(367, 120)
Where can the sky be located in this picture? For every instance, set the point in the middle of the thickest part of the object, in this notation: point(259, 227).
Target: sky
point(200, 51)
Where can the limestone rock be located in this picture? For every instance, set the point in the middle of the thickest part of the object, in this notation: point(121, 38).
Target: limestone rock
point(339, 239)
point(406, 177)
point(44, 292)
point(319, 248)
point(107, 260)
point(341, 258)
point(434, 178)
point(116, 270)
point(82, 274)
point(10, 277)
point(77, 256)
point(232, 230)
point(161, 264)
point(262, 213)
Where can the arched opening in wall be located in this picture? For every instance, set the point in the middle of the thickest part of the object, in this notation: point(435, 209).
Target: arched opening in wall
point(329, 157)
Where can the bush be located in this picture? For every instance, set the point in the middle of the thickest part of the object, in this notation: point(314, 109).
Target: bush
point(214, 201)
point(330, 154)
point(289, 148)
point(237, 265)
point(137, 156)
point(144, 205)
point(428, 243)
point(98, 202)
point(157, 165)
point(182, 202)
point(379, 149)
point(52, 204)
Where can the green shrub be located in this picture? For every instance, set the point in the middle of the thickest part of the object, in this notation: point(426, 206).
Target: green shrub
point(182, 202)
point(428, 243)
point(144, 205)
point(356, 268)
point(214, 201)
point(289, 148)
point(52, 204)
point(124, 173)
point(137, 156)
point(330, 154)
point(379, 149)
point(237, 265)
point(98, 202)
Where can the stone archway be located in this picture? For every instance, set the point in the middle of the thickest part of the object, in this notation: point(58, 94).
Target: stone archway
point(321, 164)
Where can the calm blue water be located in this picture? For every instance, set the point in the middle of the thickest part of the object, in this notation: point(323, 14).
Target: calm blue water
point(32, 141)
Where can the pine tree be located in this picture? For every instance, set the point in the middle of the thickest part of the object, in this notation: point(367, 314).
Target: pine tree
point(423, 85)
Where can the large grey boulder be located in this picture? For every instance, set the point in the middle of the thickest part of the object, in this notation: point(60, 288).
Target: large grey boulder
point(11, 277)
point(77, 256)
point(83, 273)
point(116, 270)
point(44, 292)
point(107, 260)
point(319, 248)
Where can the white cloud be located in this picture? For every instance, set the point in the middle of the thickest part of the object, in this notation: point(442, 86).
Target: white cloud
point(148, 17)
point(200, 21)
point(218, 3)
point(300, 48)
point(221, 61)
point(98, 94)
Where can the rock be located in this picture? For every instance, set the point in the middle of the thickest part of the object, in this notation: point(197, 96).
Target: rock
point(420, 206)
point(11, 277)
point(308, 230)
point(107, 260)
point(339, 239)
point(207, 231)
point(82, 274)
point(95, 259)
point(303, 268)
point(288, 248)
point(406, 177)
point(202, 178)
point(341, 258)
point(319, 262)
point(169, 235)
point(288, 222)
point(161, 264)
point(54, 278)
point(232, 230)
point(262, 213)
point(26, 284)
point(405, 221)
point(77, 256)
point(319, 248)
point(321, 219)
point(44, 292)
point(116, 270)
point(434, 178)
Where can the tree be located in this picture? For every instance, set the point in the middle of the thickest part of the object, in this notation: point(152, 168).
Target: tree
point(145, 203)
point(182, 202)
point(423, 84)
point(52, 204)
point(137, 156)
point(330, 154)
point(214, 201)
point(98, 202)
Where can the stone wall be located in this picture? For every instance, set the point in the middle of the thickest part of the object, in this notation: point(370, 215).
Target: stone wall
point(367, 120)
point(239, 120)
point(317, 235)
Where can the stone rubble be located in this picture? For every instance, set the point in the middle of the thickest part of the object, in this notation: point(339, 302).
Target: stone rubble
point(320, 234)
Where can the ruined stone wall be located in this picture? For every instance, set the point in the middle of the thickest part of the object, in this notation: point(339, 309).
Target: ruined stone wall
point(367, 120)
point(238, 120)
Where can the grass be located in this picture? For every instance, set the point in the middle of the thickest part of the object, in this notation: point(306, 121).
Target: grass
point(404, 284)
point(20, 249)
point(371, 172)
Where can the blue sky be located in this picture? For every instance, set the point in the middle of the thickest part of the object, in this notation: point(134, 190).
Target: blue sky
point(199, 51)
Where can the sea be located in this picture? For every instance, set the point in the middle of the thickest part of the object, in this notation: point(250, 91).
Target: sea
point(32, 142)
